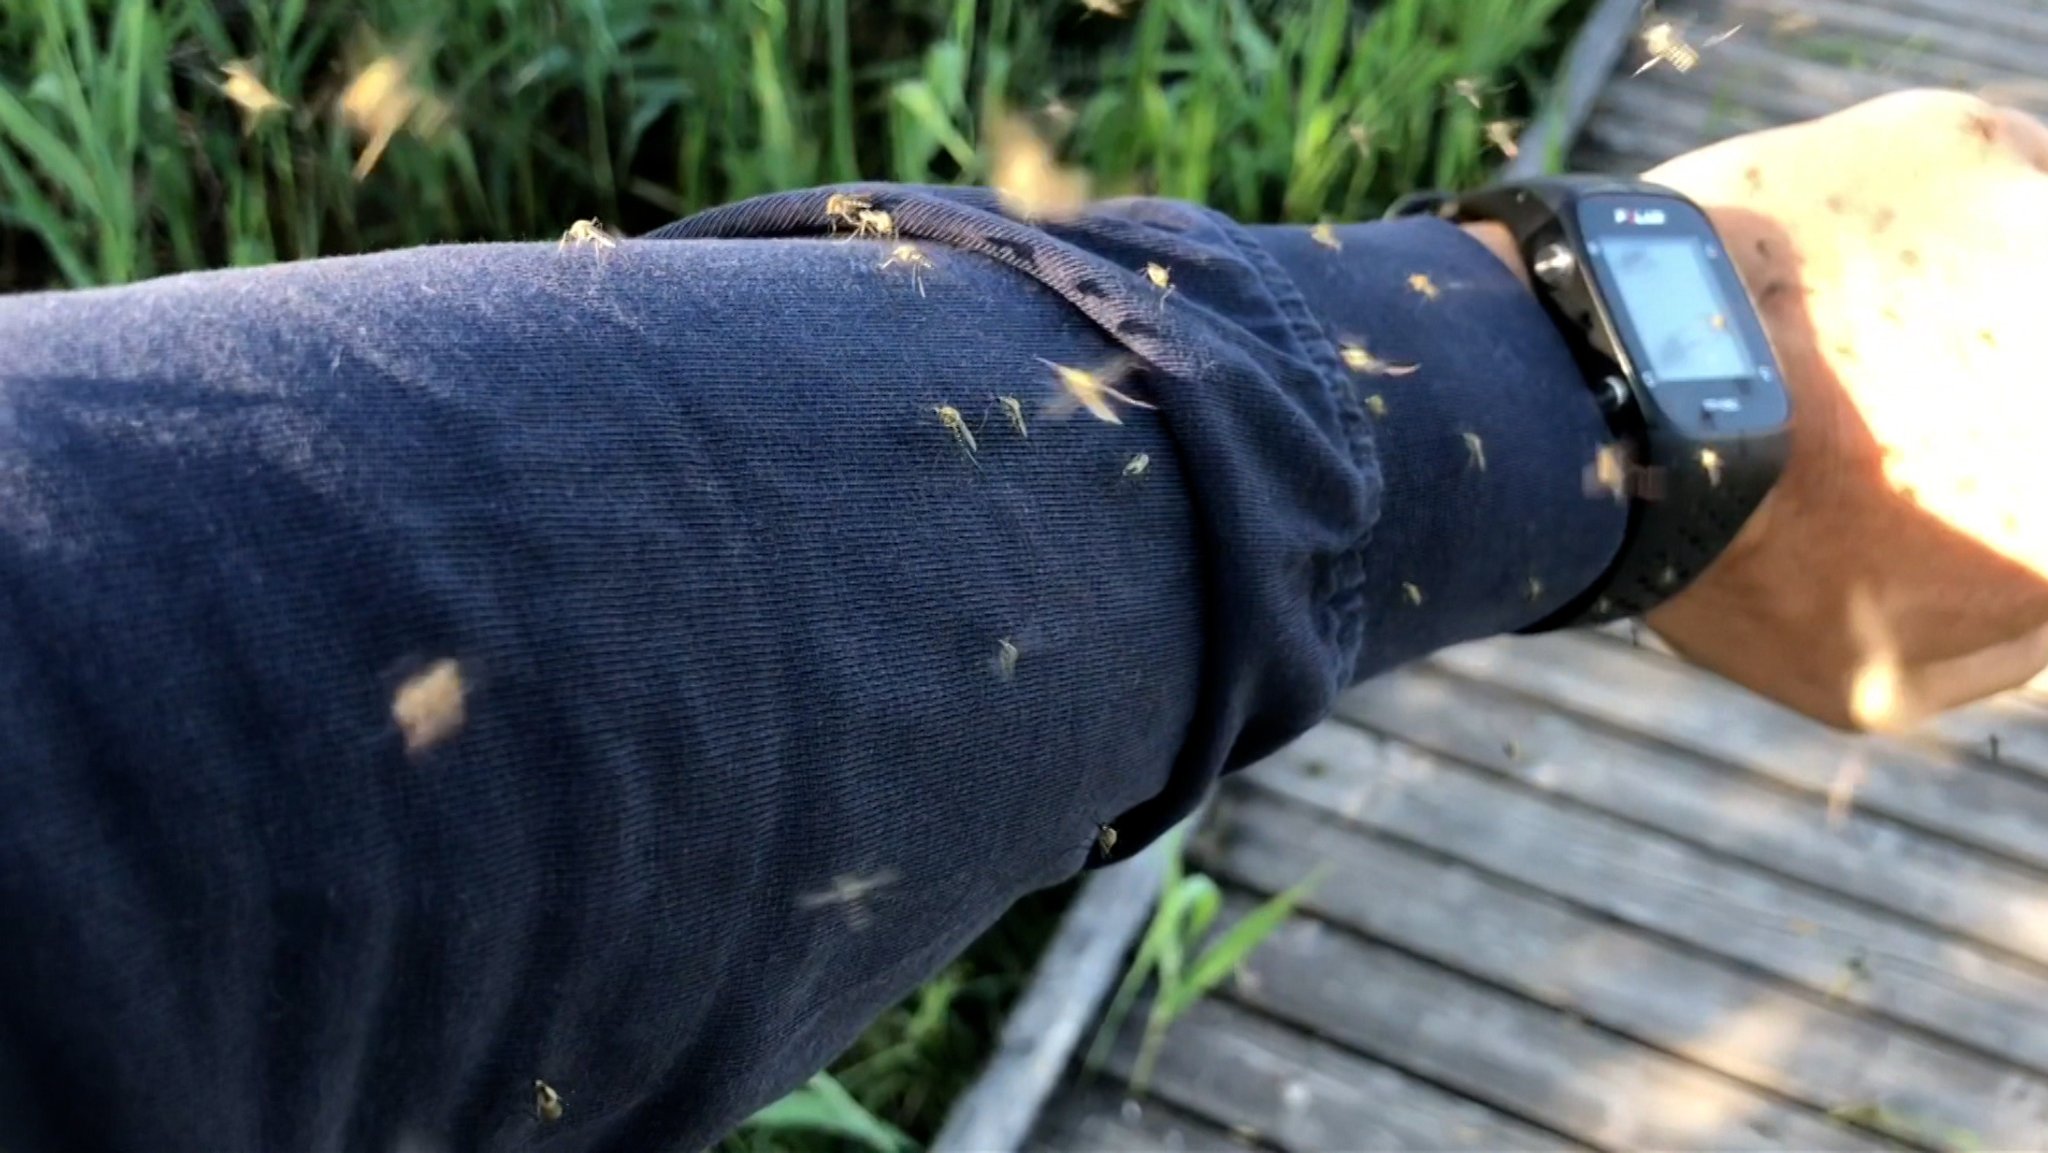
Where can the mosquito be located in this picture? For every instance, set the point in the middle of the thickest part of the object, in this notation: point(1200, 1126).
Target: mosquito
point(547, 1104)
point(590, 232)
point(1358, 358)
point(1501, 134)
point(851, 892)
point(1092, 391)
point(1477, 449)
point(1161, 279)
point(1014, 409)
point(956, 424)
point(845, 208)
point(1666, 43)
point(911, 257)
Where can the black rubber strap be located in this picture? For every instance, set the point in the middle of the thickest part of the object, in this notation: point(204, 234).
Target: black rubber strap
point(1684, 511)
point(1687, 500)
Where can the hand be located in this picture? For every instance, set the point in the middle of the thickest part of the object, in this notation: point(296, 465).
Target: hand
point(1898, 252)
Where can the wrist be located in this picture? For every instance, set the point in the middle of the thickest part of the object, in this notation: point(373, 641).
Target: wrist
point(1496, 239)
point(1770, 269)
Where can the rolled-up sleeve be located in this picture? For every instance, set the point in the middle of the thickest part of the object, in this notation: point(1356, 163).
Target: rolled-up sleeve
point(631, 667)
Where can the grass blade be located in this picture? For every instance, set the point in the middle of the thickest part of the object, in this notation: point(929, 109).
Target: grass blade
point(824, 1106)
point(1223, 957)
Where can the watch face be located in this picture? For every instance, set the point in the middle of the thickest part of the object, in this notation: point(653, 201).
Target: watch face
point(1681, 316)
point(1679, 313)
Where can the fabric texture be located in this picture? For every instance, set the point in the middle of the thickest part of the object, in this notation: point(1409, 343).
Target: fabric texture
point(634, 668)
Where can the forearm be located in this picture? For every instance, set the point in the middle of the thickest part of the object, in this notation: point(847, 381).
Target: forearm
point(775, 688)
point(1486, 521)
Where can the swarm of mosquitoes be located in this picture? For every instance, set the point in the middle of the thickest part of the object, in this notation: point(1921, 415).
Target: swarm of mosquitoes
point(383, 99)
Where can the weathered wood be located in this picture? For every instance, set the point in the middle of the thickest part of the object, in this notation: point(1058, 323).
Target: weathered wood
point(1652, 118)
point(1936, 790)
point(1585, 967)
point(1886, 24)
point(1094, 1118)
point(1724, 908)
point(1742, 86)
point(1761, 77)
point(1792, 65)
point(1260, 1078)
point(1523, 1057)
point(1784, 86)
point(1598, 49)
point(1592, 156)
point(1084, 959)
point(2026, 19)
point(2009, 730)
point(1928, 878)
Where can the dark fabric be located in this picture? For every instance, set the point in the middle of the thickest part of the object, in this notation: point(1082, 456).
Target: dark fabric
point(774, 693)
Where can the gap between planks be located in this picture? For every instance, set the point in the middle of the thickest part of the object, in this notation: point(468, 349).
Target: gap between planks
point(1272, 1081)
point(1931, 789)
point(1563, 1071)
point(2018, 719)
point(1917, 979)
point(1495, 931)
point(1850, 854)
point(1093, 1116)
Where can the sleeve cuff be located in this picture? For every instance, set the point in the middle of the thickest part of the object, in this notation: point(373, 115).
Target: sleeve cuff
point(1484, 429)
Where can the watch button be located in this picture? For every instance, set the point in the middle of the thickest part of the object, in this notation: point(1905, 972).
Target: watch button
point(1555, 264)
point(1614, 395)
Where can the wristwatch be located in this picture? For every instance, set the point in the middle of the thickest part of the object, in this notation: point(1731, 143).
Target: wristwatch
point(1643, 290)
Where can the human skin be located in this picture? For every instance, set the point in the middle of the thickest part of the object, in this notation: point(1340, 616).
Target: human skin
point(1900, 566)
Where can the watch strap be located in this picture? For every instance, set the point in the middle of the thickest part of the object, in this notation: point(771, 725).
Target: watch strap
point(1687, 502)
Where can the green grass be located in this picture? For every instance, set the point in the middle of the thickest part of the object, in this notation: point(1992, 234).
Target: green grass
point(122, 157)
point(1179, 961)
point(824, 1108)
point(910, 1065)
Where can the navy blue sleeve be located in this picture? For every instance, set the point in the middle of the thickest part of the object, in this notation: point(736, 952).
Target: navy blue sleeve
point(632, 668)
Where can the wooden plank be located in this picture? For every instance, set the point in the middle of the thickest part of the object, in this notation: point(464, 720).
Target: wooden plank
point(1084, 959)
point(1724, 1018)
point(1591, 156)
point(1806, 936)
point(1596, 52)
point(1927, 878)
point(1787, 87)
point(1882, 25)
point(2021, 19)
point(1521, 1056)
point(1271, 1083)
point(1813, 65)
point(1095, 1117)
point(2010, 730)
point(1752, 82)
point(1653, 120)
point(1776, 85)
point(1934, 790)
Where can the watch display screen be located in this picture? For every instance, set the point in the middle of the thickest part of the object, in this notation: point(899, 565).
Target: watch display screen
point(1683, 323)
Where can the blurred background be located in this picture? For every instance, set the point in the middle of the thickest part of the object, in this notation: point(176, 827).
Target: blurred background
point(139, 137)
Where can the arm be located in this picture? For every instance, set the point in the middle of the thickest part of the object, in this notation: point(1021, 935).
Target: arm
point(427, 673)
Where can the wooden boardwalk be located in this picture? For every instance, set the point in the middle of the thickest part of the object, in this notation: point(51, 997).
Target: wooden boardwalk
point(1579, 895)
